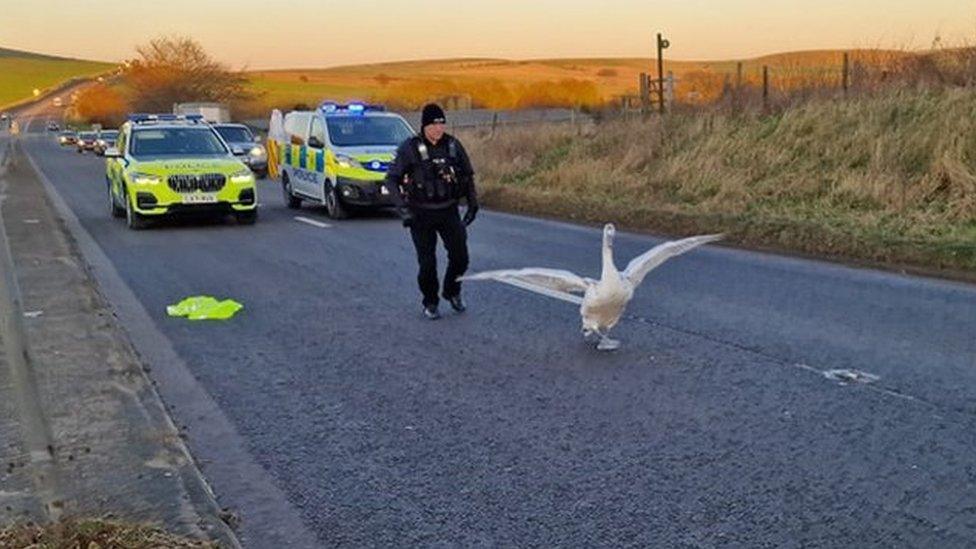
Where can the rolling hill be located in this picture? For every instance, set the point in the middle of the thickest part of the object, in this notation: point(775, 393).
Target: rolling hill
point(22, 72)
point(500, 83)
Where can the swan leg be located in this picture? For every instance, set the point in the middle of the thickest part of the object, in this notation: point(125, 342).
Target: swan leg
point(606, 343)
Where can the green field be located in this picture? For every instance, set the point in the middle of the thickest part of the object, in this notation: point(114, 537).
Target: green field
point(501, 83)
point(22, 72)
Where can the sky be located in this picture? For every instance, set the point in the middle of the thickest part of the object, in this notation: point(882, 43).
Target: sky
point(263, 34)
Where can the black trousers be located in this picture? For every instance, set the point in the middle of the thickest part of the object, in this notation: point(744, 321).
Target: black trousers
point(427, 225)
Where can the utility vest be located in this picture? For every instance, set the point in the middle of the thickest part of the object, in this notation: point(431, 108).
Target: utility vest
point(435, 179)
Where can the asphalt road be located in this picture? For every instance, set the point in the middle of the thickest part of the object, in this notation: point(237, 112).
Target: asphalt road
point(714, 425)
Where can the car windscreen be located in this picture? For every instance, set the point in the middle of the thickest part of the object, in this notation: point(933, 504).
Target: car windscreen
point(111, 134)
point(233, 134)
point(87, 135)
point(358, 131)
point(176, 142)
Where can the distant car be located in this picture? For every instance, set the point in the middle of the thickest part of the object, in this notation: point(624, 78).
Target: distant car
point(86, 141)
point(57, 102)
point(53, 126)
point(67, 137)
point(106, 140)
point(241, 141)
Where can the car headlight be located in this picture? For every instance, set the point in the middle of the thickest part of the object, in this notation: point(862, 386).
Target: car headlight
point(243, 177)
point(347, 161)
point(145, 178)
point(257, 150)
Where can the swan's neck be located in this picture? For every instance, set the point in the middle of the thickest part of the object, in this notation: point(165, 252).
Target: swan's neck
point(610, 271)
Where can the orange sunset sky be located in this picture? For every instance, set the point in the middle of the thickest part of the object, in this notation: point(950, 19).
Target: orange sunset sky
point(321, 33)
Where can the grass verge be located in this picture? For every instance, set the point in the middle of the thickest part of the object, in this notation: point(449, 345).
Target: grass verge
point(93, 534)
point(887, 178)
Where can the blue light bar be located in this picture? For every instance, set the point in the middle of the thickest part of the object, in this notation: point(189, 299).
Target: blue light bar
point(351, 108)
point(141, 117)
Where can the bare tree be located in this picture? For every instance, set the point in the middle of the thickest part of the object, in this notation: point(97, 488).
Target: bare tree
point(177, 69)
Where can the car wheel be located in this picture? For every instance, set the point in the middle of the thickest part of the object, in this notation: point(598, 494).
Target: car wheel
point(333, 205)
point(133, 219)
point(247, 218)
point(291, 200)
point(113, 205)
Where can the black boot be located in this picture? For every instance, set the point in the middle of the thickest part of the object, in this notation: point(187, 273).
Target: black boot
point(430, 313)
point(457, 303)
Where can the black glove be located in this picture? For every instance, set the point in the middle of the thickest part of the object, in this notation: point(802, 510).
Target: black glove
point(470, 214)
point(407, 217)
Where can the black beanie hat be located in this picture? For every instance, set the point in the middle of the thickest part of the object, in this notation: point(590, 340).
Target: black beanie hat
point(432, 113)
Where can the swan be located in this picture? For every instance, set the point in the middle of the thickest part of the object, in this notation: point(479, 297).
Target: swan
point(603, 301)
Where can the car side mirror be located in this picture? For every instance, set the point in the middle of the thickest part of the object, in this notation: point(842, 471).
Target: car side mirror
point(112, 152)
point(237, 151)
point(315, 142)
point(257, 138)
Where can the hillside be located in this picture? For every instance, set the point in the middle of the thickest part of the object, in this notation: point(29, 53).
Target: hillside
point(887, 177)
point(22, 72)
point(500, 83)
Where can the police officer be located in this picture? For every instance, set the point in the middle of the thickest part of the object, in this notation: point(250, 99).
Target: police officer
point(429, 176)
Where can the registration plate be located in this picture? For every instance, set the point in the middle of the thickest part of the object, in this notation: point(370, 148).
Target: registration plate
point(200, 198)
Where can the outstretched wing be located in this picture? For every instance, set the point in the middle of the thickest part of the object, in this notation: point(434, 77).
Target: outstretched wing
point(638, 268)
point(555, 283)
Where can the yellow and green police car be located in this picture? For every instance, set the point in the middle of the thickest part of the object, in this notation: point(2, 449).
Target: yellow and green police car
point(337, 156)
point(168, 164)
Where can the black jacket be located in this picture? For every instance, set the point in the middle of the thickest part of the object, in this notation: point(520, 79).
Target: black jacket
point(408, 168)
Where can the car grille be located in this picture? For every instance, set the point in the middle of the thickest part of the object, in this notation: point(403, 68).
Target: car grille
point(208, 182)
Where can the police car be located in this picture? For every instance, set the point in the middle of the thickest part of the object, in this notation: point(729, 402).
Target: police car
point(338, 155)
point(166, 164)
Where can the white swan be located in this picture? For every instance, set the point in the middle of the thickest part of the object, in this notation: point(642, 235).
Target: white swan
point(603, 300)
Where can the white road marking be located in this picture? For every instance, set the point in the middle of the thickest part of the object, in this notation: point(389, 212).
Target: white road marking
point(850, 376)
point(32, 221)
point(33, 314)
point(313, 222)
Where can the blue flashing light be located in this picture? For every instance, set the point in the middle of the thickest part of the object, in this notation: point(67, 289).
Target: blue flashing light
point(331, 107)
point(141, 117)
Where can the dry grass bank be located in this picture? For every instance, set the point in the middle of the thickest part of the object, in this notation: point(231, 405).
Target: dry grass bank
point(888, 177)
point(93, 534)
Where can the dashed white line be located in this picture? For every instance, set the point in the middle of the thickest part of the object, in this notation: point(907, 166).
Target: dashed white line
point(313, 222)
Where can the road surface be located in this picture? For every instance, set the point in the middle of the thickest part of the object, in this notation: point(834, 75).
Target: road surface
point(716, 424)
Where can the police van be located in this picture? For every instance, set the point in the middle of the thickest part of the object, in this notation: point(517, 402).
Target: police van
point(338, 155)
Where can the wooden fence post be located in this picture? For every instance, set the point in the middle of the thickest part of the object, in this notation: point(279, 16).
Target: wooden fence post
point(737, 93)
point(847, 73)
point(765, 87)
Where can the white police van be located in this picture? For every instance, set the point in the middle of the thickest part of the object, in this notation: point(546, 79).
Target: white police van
point(338, 156)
